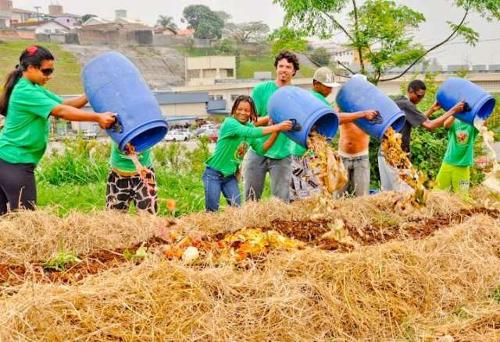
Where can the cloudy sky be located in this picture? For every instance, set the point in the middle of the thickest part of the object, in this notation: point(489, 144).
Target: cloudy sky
point(437, 12)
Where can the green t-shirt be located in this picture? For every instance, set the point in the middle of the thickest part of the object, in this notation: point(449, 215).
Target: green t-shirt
point(229, 151)
point(121, 161)
point(321, 97)
point(299, 150)
point(261, 94)
point(25, 135)
point(461, 138)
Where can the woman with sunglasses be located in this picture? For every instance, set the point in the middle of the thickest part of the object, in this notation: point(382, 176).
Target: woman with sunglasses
point(27, 105)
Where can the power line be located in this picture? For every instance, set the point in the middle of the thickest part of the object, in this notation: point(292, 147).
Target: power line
point(464, 42)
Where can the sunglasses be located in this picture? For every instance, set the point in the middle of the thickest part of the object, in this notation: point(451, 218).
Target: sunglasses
point(419, 96)
point(47, 71)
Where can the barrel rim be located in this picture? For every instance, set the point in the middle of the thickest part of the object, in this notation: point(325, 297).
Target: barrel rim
point(139, 130)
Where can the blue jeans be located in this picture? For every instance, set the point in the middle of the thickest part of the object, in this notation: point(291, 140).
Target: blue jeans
point(358, 171)
point(215, 183)
point(256, 168)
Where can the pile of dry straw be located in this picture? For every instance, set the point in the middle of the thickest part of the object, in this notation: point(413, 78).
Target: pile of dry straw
point(444, 285)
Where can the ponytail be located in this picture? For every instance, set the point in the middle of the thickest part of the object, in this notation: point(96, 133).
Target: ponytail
point(33, 55)
point(10, 82)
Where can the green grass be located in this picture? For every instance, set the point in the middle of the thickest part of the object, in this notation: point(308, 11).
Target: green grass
point(66, 78)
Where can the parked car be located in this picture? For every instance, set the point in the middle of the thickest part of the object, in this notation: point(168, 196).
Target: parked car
point(187, 132)
point(177, 135)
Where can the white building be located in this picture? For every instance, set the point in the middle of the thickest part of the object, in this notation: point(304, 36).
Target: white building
point(206, 70)
point(51, 27)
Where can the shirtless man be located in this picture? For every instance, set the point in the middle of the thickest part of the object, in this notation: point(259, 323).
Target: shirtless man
point(353, 148)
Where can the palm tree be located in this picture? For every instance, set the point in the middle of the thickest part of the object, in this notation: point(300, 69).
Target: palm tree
point(166, 22)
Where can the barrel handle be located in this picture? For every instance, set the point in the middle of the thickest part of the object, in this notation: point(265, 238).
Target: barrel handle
point(377, 120)
point(296, 127)
point(117, 127)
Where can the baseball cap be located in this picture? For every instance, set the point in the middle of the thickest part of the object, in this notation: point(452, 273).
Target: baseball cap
point(325, 76)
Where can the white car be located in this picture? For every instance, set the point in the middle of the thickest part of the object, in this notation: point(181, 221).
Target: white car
point(176, 135)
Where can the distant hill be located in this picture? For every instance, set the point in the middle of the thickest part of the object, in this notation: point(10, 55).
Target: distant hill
point(66, 77)
point(161, 67)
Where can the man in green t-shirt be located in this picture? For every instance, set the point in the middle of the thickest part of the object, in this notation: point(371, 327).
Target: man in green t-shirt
point(304, 182)
point(459, 157)
point(277, 159)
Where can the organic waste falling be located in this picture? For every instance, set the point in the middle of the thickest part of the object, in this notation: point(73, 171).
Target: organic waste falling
point(397, 158)
point(326, 163)
point(143, 172)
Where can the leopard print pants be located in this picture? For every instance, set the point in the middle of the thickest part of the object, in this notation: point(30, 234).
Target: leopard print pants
point(122, 190)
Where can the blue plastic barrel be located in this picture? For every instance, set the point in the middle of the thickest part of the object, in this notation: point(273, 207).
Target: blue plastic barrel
point(113, 84)
point(455, 89)
point(308, 112)
point(359, 95)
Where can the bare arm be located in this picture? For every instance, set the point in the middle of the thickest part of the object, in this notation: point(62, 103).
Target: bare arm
point(105, 120)
point(448, 122)
point(350, 117)
point(434, 108)
point(270, 141)
point(281, 127)
point(77, 102)
point(262, 121)
point(438, 122)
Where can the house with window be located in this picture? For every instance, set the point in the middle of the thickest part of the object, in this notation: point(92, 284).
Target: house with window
point(210, 69)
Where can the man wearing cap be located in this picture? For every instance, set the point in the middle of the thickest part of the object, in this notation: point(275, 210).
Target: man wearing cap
point(302, 184)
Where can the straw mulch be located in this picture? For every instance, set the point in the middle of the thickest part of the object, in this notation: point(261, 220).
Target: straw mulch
point(443, 286)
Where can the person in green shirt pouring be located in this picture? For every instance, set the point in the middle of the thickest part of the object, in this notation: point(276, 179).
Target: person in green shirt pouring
point(235, 134)
point(454, 173)
point(27, 105)
point(126, 184)
point(277, 160)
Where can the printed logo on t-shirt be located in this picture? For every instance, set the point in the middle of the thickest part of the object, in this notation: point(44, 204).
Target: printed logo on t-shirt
point(240, 151)
point(462, 137)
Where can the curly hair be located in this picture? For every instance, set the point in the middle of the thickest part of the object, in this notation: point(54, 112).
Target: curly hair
point(290, 57)
point(245, 98)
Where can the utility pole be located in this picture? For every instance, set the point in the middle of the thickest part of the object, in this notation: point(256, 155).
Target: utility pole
point(37, 8)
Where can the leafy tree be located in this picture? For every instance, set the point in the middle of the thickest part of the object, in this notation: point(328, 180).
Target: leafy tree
point(166, 22)
point(224, 16)
point(255, 31)
point(320, 57)
point(379, 30)
point(289, 39)
point(206, 23)
point(226, 47)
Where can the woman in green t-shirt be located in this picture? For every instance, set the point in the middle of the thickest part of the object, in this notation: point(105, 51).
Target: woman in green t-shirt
point(236, 132)
point(27, 105)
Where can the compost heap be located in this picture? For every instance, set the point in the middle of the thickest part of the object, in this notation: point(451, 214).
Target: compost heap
point(397, 158)
point(143, 174)
point(326, 164)
point(246, 243)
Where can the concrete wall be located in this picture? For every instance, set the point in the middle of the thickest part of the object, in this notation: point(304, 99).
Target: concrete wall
point(169, 41)
point(115, 37)
point(184, 109)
